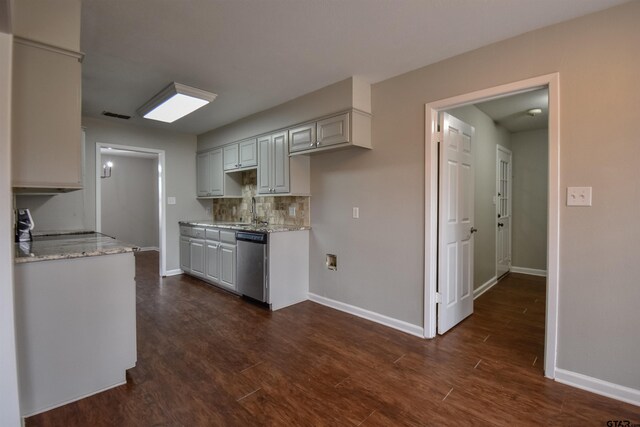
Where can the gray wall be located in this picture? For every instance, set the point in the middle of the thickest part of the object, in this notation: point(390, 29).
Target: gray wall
point(77, 210)
point(596, 57)
point(129, 200)
point(488, 136)
point(9, 405)
point(530, 180)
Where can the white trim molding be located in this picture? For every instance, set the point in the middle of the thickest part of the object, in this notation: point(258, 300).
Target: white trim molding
point(174, 272)
point(400, 325)
point(432, 109)
point(162, 185)
point(529, 271)
point(485, 287)
point(601, 387)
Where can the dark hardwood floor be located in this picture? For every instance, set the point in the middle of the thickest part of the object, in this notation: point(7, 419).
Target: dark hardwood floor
point(208, 358)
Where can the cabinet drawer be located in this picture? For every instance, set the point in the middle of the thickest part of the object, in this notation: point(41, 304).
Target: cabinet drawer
point(197, 233)
point(185, 230)
point(228, 236)
point(212, 234)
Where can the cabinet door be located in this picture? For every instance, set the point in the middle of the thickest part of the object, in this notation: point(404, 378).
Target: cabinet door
point(231, 157)
point(302, 138)
point(212, 264)
point(264, 164)
point(196, 251)
point(228, 266)
point(185, 254)
point(280, 163)
point(46, 141)
point(216, 173)
point(202, 175)
point(334, 130)
point(248, 153)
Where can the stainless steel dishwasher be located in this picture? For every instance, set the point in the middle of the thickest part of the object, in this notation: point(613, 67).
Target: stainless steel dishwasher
point(252, 264)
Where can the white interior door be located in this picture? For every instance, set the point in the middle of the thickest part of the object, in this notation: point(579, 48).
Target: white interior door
point(455, 222)
point(503, 211)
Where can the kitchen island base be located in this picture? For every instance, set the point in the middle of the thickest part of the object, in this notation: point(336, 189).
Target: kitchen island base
point(75, 328)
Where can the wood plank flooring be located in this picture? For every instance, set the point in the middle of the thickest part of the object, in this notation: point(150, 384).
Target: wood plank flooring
point(208, 358)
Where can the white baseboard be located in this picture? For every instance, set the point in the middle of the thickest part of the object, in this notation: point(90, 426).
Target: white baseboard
point(175, 272)
point(369, 315)
point(150, 248)
point(594, 385)
point(485, 287)
point(530, 271)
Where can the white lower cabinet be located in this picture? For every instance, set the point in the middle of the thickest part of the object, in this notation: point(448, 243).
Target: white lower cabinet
point(228, 265)
point(212, 258)
point(185, 254)
point(212, 254)
point(196, 255)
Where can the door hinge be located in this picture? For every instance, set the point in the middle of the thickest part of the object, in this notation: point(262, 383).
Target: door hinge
point(438, 298)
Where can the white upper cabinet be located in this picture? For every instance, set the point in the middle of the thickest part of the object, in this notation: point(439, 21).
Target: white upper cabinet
point(248, 153)
point(302, 137)
point(273, 164)
point(46, 96)
point(46, 141)
point(334, 130)
point(211, 181)
point(202, 175)
point(231, 157)
point(240, 155)
point(350, 129)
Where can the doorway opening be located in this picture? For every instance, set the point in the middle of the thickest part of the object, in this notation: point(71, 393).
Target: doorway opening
point(499, 227)
point(130, 188)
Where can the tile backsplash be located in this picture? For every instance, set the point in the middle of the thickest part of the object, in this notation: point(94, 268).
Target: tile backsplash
point(274, 209)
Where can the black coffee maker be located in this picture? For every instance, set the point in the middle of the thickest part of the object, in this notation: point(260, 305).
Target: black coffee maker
point(24, 225)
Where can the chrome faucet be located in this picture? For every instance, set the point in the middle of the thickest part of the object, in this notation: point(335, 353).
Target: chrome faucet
point(254, 216)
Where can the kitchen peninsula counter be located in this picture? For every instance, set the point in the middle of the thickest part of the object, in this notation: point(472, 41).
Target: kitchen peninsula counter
point(270, 228)
point(75, 317)
point(56, 246)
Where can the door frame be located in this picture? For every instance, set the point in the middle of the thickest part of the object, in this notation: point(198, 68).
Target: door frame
point(552, 82)
point(162, 217)
point(510, 198)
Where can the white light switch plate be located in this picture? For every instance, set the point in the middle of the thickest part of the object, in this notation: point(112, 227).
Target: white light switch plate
point(578, 196)
point(356, 212)
point(171, 200)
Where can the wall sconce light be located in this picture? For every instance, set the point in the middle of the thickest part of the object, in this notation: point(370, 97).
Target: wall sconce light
point(106, 170)
point(175, 101)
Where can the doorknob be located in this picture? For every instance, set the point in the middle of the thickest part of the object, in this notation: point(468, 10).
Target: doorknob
point(500, 224)
point(473, 230)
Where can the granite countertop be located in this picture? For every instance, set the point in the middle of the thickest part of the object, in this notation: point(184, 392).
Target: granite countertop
point(244, 226)
point(52, 246)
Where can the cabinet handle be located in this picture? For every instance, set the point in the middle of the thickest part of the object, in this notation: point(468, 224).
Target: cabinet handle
point(313, 144)
point(317, 143)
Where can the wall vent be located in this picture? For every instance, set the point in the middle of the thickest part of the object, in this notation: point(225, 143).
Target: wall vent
point(116, 115)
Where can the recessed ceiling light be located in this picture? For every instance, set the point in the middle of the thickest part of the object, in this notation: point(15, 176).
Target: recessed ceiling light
point(175, 101)
point(534, 111)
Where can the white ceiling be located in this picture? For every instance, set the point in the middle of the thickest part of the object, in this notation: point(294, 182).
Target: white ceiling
point(256, 54)
point(511, 112)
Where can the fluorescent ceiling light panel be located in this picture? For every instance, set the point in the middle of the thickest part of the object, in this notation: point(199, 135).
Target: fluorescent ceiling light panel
point(175, 101)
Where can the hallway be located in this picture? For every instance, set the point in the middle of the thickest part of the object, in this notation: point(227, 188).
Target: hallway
point(206, 357)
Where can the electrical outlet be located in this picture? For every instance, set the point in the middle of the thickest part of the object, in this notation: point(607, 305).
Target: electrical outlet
point(578, 196)
point(292, 211)
point(356, 212)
